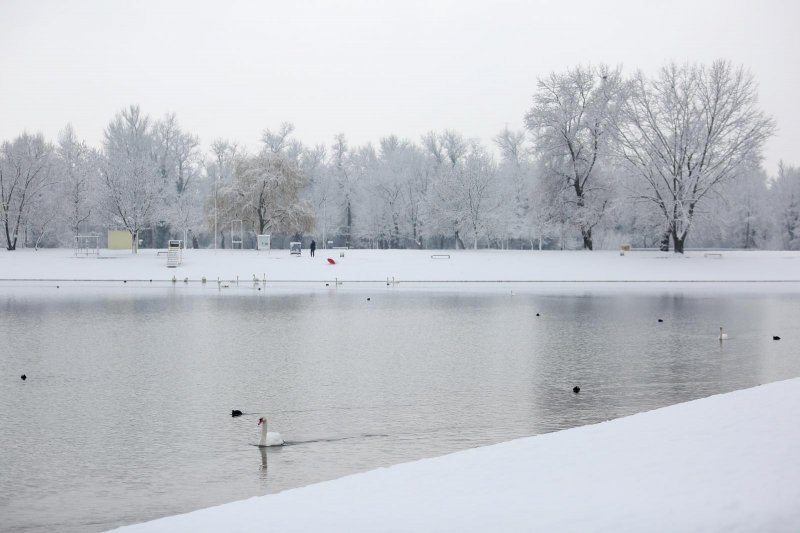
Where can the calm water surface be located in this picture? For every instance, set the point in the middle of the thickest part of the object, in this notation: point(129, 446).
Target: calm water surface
point(125, 415)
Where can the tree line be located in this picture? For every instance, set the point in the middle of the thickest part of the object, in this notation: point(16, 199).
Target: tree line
point(604, 159)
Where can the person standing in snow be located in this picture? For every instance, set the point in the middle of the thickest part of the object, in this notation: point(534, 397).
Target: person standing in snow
point(313, 247)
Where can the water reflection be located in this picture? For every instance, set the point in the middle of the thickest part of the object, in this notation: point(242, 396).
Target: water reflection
point(355, 385)
point(263, 452)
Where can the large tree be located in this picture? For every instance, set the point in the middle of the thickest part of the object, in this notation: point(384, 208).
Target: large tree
point(686, 132)
point(348, 167)
point(395, 191)
point(515, 176)
point(464, 195)
point(179, 162)
point(320, 189)
point(25, 173)
point(785, 196)
point(443, 211)
point(739, 215)
point(220, 171)
point(547, 215)
point(267, 193)
point(569, 121)
point(133, 183)
point(417, 188)
point(77, 169)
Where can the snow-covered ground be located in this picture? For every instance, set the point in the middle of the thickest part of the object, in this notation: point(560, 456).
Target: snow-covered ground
point(404, 266)
point(725, 463)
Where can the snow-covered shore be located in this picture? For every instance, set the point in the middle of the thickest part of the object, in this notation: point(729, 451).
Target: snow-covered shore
point(724, 463)
point(407, 266)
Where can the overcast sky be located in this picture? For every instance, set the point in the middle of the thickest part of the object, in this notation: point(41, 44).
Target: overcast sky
point(368, 68)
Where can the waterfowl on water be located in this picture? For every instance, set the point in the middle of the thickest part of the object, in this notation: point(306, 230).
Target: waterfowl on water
point(271, 438)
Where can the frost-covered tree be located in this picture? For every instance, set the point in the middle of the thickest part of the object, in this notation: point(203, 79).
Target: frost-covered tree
point(25, 173)
point(432, 145)
point(42, 221)
point(176, 152)
point(464, 193)
point(382, 194)
point(78, 176)
point(443, 210)
point(267, 192)
point(569, 121)
point(395, 192)
point(347, 169)
point(320, 189)
point(278, 142)
point(220, 171)
point(515, 179)
point(133, 186)
point(179, 163)
point(547, 215)
point(785, 201)
point(688, 131)
point(479, 192)
point(601, 160)
point(638, 224)
point(362, 162)
point(417, 187)
point(739, 214)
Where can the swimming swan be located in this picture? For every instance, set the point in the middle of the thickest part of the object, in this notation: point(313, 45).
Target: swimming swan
point(268, 439)
point(722, 336)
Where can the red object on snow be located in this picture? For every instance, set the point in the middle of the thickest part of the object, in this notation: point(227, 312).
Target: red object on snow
point(331, 261)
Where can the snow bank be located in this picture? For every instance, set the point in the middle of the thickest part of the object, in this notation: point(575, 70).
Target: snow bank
point(725, 463)
point(407, 266)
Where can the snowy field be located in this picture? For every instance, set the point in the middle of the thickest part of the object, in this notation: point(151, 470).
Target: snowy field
point(407, 266)
point(725, 463)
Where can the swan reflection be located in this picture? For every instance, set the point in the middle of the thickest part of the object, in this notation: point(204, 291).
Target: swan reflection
point(263, 458)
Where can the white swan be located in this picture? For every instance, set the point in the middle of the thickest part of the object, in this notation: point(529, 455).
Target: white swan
point(722, 336)
point(268, 439)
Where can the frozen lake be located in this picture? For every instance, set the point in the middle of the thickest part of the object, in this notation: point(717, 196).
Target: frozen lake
point(125, 415)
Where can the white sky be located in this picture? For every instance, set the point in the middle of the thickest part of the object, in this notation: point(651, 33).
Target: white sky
point(367, 68)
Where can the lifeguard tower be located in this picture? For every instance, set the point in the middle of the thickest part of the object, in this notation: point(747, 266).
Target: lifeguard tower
point(174, 253)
